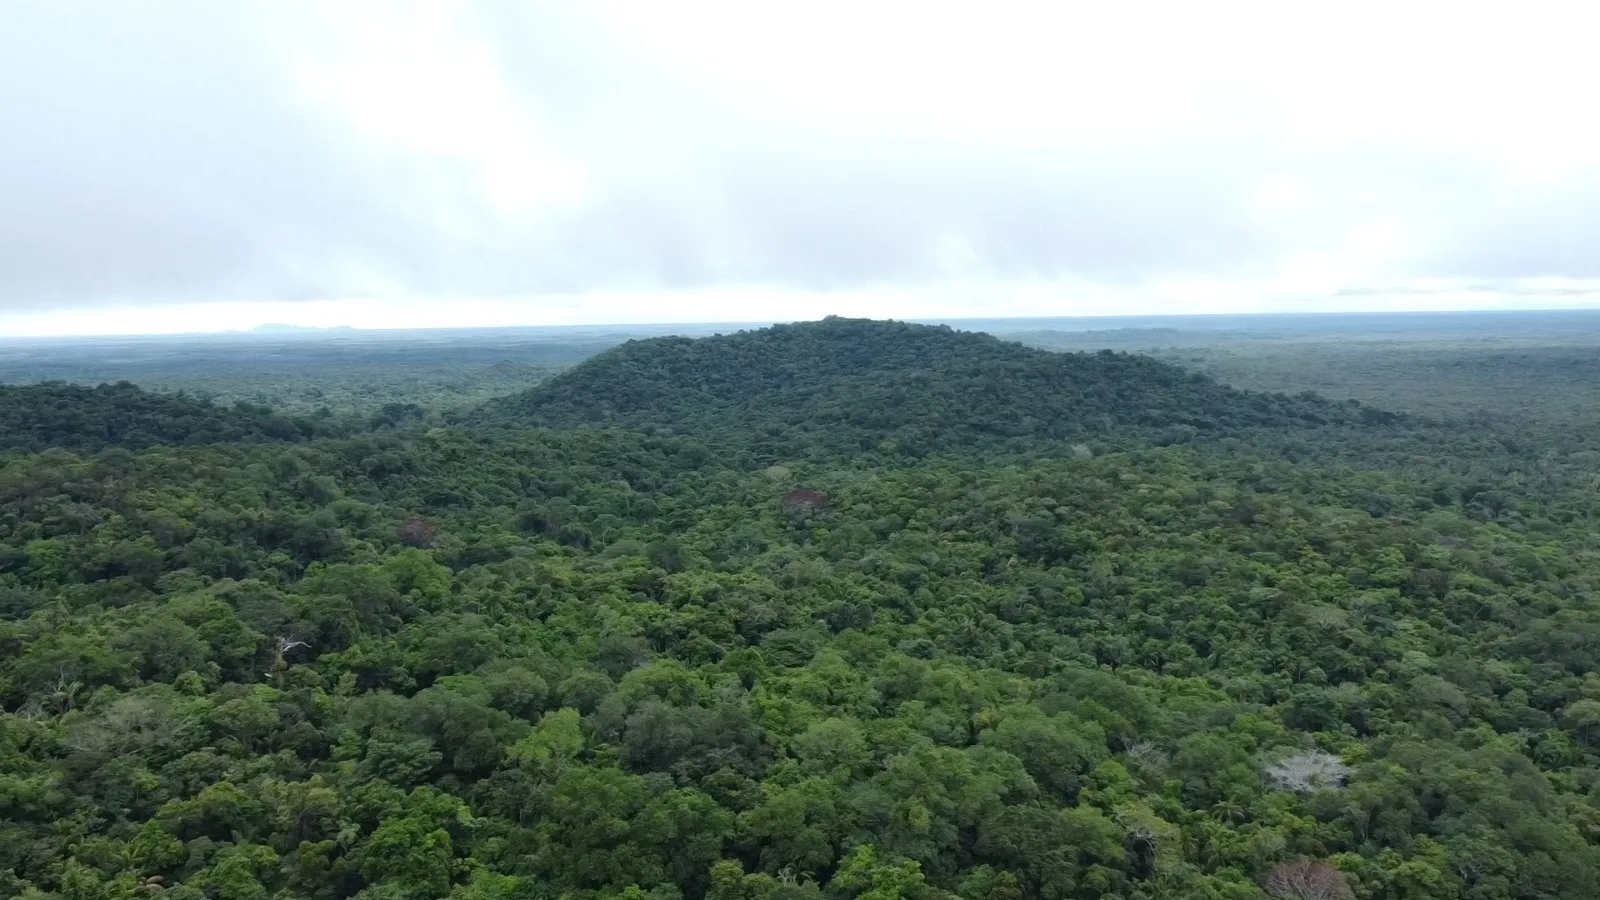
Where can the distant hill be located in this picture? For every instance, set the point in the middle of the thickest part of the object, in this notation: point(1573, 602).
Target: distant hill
point(54, 414)
point(849, 385)
point(279, 328)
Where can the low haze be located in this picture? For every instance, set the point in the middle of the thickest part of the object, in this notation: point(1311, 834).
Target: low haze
point(206, 166)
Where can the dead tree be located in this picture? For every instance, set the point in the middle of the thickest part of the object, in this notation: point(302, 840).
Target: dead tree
point(280, 661)
point(1307, 772)
point(803, 504)
point(1307, 879)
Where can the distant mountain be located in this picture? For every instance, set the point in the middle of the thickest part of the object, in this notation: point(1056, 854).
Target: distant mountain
point(54, 414)
point(278, 328)
point(852, 385)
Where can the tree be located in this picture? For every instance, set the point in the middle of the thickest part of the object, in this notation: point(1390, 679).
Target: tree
point(1307, 879)
point(1305, 772)
point(409, 854)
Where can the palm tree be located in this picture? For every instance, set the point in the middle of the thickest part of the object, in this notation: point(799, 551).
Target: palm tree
point(65, 692)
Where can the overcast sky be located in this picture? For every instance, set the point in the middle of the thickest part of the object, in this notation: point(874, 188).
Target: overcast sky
point(170, 166)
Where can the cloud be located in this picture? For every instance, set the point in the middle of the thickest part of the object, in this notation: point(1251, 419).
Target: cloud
point(193, 152)
point(157, 156)
point(1544, 229)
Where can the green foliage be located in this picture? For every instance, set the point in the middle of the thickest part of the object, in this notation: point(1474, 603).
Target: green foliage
point(121, 415)
point(378, 378)
point(619, 667)
point(846, 386)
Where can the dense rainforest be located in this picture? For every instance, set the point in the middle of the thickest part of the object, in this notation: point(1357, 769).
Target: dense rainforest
point(840, 387)
point(314, 374)
point(121, 415)
point(835, 610)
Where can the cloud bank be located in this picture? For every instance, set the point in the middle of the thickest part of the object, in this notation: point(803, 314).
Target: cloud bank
point(533, 159)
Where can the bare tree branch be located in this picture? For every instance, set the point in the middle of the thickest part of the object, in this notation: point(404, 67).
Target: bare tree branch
point(1307, 772)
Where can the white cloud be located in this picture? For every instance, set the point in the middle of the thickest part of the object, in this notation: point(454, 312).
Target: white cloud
point(483, 162)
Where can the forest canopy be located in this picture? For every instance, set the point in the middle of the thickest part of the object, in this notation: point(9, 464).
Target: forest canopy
point(844, 386)
point(835, 610)
point(56, 414)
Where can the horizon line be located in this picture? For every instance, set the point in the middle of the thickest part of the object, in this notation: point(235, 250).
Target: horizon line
point(267, 330)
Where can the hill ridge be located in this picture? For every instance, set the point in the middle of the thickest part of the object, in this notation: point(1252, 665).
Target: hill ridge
point(74, 416)
point(848, 385)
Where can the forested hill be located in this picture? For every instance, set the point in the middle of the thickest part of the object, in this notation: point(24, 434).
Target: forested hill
point(851, 385)
point(561, 663)
point(37, 416)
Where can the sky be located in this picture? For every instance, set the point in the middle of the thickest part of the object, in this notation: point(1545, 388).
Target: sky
point(187, 165)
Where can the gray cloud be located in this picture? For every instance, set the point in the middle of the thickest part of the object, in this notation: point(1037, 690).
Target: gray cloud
point(156, 157)
point(172, 157)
